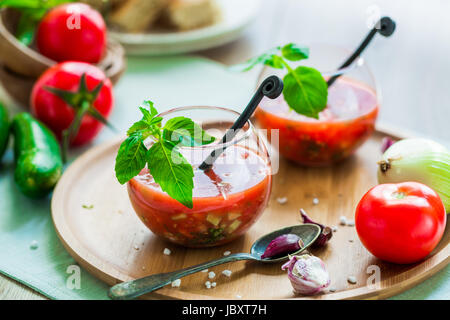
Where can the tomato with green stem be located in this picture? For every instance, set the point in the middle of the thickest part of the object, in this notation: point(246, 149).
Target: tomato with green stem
point(400, 223)
point(74, 99)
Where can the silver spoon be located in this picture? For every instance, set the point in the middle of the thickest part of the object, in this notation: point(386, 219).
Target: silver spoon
point(135, 288)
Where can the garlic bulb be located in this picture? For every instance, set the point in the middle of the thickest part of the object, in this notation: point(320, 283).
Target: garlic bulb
point(307, 273)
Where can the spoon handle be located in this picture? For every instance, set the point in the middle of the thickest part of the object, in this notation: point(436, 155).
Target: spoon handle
point(135, 288)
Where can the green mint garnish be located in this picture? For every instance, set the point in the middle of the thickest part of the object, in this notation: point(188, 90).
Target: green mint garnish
point(171, 171)
point(131, 158)
point(164, 160)
point(305, 90)
point(186, 132)
point(293, 52)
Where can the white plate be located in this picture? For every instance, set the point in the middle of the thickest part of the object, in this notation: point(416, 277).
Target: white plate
point(236, 15)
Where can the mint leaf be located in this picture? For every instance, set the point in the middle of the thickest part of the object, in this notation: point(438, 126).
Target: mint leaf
point(131, 158)
point(171, 171)
point(149, 105)
point(294, 52)
point(275, 62)
point(147, 117)
point(137, 126)
point(272, 57)
point(149, 124)
point(150, 113)
point(305, 91)
point(268, 58)
point(146, 128)
point(186, 132)
point(155, 121)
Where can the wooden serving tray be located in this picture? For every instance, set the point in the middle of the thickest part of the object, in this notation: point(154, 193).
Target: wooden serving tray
point(111, 242)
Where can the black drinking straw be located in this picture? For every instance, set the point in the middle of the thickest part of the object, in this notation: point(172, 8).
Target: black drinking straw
point(385, 27)
point(271, 87)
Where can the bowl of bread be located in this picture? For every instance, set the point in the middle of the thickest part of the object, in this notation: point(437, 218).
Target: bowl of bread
point(160, 27)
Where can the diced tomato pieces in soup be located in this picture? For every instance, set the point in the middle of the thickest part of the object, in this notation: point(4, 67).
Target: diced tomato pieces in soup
point(227, 200)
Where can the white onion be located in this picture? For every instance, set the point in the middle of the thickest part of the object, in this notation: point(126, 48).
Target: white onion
point(419, 160)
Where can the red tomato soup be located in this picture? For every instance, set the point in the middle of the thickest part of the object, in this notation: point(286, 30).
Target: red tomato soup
point(227, 200)
point(347, 122)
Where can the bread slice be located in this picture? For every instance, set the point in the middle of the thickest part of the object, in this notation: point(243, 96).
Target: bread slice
point(137, 15)
point(191, 14)
point(96, 4)
point(103, 5)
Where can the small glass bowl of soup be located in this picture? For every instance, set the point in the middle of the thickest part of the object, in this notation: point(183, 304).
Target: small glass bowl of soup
point(227, 199)
point(343, 126)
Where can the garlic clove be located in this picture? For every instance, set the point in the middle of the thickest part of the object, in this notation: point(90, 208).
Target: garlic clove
point(326, 232)
point(283, 245)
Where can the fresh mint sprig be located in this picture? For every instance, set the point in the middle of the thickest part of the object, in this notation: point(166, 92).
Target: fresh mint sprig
point(305, 90)
point(164, 160)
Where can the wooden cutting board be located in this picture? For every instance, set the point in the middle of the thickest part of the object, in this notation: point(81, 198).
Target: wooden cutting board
point(111, 242)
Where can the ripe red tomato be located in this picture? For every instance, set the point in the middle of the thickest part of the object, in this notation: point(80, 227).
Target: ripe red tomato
point(400, 223)
point(72, 31)
point(59, 115)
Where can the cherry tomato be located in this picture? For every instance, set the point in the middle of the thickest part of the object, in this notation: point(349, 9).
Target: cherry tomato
point(57, 113)
point(72, 31)
point(400, 223)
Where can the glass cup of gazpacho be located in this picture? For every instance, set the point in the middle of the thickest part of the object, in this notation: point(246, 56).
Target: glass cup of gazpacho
point(227, 199)
point(345, 124)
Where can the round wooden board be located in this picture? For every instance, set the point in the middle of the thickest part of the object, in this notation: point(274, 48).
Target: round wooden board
point(111, 242)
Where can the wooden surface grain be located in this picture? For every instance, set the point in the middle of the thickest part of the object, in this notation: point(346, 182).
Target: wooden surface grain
point(411, 67)
point(86, 234)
